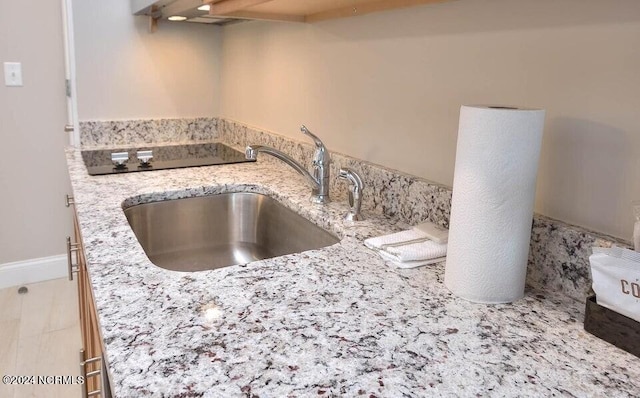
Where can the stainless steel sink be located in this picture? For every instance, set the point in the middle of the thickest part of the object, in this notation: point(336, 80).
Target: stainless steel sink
point(209, 232)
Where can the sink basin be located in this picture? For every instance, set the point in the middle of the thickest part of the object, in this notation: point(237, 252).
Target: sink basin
point(210, 232)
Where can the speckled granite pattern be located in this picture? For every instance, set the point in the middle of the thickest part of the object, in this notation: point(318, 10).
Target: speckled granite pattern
point(330, 322)
point(559, 253)
point(559, 256)
point(135, 132)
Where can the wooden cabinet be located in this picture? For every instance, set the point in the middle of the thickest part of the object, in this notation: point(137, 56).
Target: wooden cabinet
point(91, 355)
point(305, 10)
point(224, 11)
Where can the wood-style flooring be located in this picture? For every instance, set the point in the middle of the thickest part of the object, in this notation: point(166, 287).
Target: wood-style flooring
point(40, 336)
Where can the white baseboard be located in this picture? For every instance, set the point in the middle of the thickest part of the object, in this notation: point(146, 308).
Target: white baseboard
point(32, 271)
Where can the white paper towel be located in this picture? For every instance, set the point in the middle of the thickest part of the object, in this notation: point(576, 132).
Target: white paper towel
point(492, 206)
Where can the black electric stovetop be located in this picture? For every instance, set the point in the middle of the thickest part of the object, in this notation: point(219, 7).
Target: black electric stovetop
point(99, 162)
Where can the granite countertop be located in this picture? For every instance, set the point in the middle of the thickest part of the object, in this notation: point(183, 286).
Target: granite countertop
point(337, 321)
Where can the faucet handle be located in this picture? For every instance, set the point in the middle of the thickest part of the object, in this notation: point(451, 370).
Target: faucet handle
point(321, 158)
point(355, 193)
point(314, 137)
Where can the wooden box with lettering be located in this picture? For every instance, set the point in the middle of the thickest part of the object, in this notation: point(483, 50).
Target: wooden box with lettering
point(612, 327)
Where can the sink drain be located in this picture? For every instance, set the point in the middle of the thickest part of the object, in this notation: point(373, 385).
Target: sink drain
point(23, 290)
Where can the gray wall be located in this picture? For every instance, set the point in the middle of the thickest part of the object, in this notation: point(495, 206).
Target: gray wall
point(388, 87)
point(124, 72)
point(33, 174)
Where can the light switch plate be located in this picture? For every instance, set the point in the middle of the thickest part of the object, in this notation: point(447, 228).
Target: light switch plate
point(13, 74)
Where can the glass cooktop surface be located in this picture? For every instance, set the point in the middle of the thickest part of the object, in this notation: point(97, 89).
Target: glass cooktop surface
point(99, 162)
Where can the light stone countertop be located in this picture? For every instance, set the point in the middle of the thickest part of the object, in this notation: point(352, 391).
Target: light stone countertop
point(331, 322)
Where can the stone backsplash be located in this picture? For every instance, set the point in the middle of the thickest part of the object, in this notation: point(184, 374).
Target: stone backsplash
point(152, 131)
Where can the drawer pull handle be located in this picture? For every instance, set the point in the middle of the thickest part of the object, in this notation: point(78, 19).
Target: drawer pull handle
point(72, 247)
point(87, 375)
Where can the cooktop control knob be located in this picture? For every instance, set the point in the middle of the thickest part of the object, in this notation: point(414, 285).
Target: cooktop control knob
point(120, 159)
point(145, 158)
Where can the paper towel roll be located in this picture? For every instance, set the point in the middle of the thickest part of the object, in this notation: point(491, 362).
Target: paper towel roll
point(492, 206)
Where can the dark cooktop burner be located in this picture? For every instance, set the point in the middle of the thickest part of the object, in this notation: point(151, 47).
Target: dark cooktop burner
point(99, 162)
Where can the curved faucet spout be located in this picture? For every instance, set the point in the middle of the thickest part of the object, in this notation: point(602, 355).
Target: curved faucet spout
point(252, 153)
point(319, 180)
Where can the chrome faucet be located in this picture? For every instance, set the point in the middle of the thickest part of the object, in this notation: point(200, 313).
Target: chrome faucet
point(355, 193)
point(319, 181)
